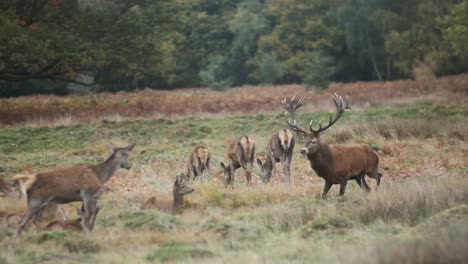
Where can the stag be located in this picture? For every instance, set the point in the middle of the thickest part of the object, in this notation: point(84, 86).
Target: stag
point(198, 163)
point(241, 153)
point(280, 149)
point(76, 183)
point(336, 164)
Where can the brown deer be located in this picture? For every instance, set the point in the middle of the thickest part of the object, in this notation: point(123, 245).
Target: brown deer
point(280, 149)
point(69, 225)
point(241, 153)
point(336, 164)
point(77, 183)
point(175, 206)
point(198, 163)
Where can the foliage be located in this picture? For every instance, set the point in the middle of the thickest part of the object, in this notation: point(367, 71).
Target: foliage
point(130, 44)
point(319, 70)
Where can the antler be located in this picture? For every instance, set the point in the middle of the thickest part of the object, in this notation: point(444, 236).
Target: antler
point(291, 106)
point(341, 106)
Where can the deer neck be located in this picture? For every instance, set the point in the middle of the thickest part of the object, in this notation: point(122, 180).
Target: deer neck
point(177, 204)
point(269, 163)
point(106, 169)
point(321, 160)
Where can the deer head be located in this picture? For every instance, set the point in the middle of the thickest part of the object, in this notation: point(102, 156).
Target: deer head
point(225, 173)
point(311, 139)
point(121, 155)
point(180, 187)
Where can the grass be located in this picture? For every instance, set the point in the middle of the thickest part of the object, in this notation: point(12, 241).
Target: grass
point(421, 206)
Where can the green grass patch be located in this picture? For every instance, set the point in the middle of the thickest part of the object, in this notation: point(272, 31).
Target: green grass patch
point(178, 251)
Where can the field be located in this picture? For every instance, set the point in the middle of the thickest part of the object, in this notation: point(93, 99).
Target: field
point(419, 215)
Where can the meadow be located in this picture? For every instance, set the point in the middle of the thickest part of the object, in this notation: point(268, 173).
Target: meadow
point(418, 215)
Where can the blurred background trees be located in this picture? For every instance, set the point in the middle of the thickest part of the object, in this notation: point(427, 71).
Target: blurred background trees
point(63, 46)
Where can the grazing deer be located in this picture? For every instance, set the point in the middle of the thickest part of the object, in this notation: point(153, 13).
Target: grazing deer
point(198, 163)
point(175, 206)
point(9, 220)
point(69, 225)
point(280, 149)
point(241, 153)
point(77, 183)
point(336, 164)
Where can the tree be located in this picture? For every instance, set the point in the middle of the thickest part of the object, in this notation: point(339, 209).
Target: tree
point(455, 28)
point(269, 69)
point(319, 70)
point(58, 40)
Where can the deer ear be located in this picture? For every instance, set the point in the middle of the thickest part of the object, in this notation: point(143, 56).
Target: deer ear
point(259, 162)
point(222, 165)
point(129, 148)
point(111, 148)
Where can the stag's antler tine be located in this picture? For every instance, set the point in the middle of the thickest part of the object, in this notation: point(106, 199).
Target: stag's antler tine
point(291, 106)
point(341, 106)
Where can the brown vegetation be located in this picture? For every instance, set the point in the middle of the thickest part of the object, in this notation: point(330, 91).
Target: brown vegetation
point(43, 110)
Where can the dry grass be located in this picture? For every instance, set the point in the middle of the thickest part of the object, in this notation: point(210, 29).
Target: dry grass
point(58, 110)
point(422, 154)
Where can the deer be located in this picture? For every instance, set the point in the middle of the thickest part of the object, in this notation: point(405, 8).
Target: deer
point(336, 164)
point(9, 219)
point(279, 149)
point(240, 153)
point(69, 225)
point(175, 206)
point(9, 190)
point(52, 211)
point(77, 183)
point(198, 163)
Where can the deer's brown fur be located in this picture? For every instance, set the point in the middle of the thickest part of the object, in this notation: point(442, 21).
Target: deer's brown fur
point(240, 153)
point(76, 183)
point(279, 149)
point(174, 206)
point(68, 225)
point(336, 164)
point(198, 163)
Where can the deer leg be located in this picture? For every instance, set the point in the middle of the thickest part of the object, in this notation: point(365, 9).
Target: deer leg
point(376, 175)
point(34, 207)
point(94, 210)
point(38, 218)
point(366, 186)
point(287, 170)
point(343, 187)
point(326, 188)
point(231, 177)
point(358, 180)
point(88, 210)
point(198, 172)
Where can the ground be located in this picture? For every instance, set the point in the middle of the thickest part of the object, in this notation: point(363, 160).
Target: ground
point(419, 215)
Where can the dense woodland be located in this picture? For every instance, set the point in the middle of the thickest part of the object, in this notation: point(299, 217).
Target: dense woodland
point(69, 46)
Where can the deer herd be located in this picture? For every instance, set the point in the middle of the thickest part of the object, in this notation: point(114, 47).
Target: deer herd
point(45, 192)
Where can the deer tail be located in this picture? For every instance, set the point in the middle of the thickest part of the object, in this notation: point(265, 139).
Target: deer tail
point(25, 182)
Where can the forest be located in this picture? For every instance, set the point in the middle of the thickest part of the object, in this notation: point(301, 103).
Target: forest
point(87, 46)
